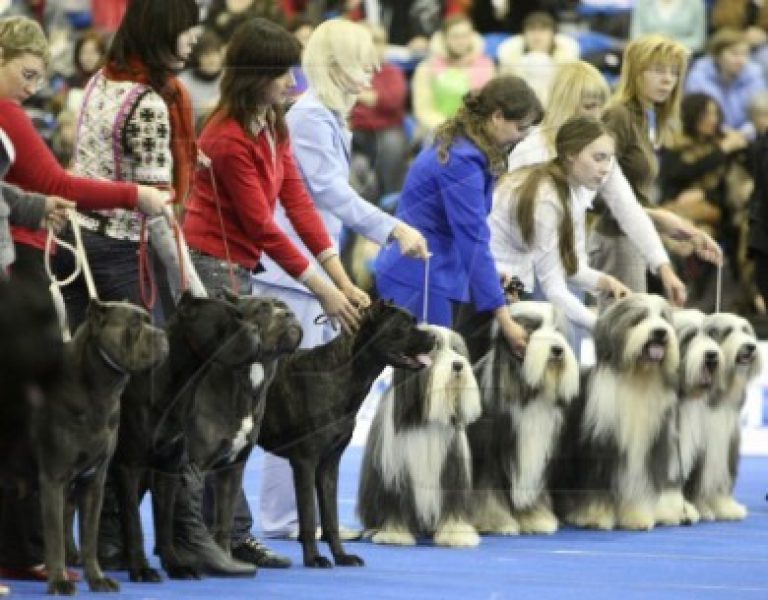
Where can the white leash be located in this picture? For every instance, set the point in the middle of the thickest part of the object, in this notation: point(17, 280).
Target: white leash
point(81, 266)
point(425, 305)
point(719, 291)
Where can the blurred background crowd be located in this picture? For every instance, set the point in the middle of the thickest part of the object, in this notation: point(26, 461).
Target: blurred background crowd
point(433, 51)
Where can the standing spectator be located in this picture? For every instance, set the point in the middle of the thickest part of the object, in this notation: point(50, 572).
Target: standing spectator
point(203, 77)
point(758, 209)
point(642, 115)
point(377, 121)
point(339, 60)
point(729, 76)
point(455, 66)
point(682, 20)
point(447, 196)
point(88, 54)
point(536, 54)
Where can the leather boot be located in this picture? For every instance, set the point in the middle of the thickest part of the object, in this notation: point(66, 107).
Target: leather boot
point(192, 540)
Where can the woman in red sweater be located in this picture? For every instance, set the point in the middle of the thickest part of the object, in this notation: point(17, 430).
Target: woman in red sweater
point(247, 142)
point(23, 58)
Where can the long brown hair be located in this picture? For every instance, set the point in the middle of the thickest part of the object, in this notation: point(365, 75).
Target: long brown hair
point(509, 94)
point(259, 52)
point(573, 136)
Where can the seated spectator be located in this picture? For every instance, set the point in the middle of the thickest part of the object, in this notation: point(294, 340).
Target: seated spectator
point(749, 16)
point(202, 79)
point(224, 16)
point(88, 57)
point(729, 76)
point(302, 29)
point(684, 21)
point(537, 52)
point(758, 204)
point(456, 65)
point(694, 183)
point(56, 26)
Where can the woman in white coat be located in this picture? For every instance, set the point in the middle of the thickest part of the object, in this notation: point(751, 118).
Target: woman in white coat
point(338, 60)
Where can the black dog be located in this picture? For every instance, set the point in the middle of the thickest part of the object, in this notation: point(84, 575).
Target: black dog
point(73, 428)
point(157, 407)
point(229, 406)
point(311, 408)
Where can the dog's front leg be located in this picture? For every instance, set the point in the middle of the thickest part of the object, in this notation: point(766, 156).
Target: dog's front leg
point(327, 479)
point(303, 481)
point(52, 506)
point(90, 513)
point(129, 482)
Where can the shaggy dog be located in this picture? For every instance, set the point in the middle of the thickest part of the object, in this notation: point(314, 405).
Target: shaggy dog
point(311, 408)
point(700, 365)
point(524, 403)
point(416, 476)
point(710, 485)
point(618, 434)
point(229, 406)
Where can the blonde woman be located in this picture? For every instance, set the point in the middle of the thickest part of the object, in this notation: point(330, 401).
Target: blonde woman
point(580, 89)
point(338, 61)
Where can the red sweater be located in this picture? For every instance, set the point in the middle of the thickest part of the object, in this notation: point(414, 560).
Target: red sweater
point(389, 111)
point(37, 170)
point(249, 182)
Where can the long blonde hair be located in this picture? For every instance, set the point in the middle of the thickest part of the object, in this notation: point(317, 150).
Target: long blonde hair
point(338, 46)
point(21, 35)
point(573, 136)
point(639, 56)
point(572, 84)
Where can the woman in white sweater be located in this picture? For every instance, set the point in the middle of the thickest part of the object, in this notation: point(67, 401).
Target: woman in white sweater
point(537, 219)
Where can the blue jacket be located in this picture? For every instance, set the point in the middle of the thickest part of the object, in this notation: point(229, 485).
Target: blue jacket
point(321, 142)
point(734, 97)
point(449, 204)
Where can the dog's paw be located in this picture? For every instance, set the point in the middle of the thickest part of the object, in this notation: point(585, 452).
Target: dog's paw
point(457, 534)
point(318, 562)
point(348, 560)
point(538, 521)
point(705, 511)
point(635, 518)
point(727, 509)
point(103, 584)
point(62, 587)
point(394, 537)
point(691, 515)
point(595, 515)
point(145, 575)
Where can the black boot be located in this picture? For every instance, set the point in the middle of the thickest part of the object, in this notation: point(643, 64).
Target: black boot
point(255, 552)
point(192, 540)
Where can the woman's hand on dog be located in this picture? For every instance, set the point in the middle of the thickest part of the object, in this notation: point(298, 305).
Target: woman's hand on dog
point(612, 287)
point(356, 296)
point(412, 243)
point(514, 333)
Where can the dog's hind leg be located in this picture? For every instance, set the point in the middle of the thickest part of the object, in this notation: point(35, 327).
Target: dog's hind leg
point(303, 481)
point(327, 481)
point(90, 511)
point(129, 481)
point(52, 506)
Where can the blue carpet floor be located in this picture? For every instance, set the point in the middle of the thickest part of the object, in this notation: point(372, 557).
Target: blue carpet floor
point(726, 561)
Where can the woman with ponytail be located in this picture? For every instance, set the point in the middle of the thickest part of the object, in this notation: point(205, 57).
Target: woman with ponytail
point(447, 196)
point(537, 221)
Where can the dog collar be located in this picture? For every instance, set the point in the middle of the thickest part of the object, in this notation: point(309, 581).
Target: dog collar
point(108, 359)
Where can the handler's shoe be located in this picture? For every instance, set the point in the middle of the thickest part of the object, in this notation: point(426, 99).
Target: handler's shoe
point(255, 552)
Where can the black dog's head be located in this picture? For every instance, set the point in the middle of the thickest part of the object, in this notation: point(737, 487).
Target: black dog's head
point(391, 333)
point(216, 330)
point(279, 329)
point(124, 332)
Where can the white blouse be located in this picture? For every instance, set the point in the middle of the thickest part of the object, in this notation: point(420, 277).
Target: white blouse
point(616, 192)
point(542, 258)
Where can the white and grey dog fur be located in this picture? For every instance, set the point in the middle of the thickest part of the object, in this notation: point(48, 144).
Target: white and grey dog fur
point(524, 402)
point(700, 368)
point(416, 476)
point(617, 440)
point(710, 485)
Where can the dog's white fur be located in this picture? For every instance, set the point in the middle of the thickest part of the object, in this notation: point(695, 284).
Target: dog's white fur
point(537, 422)
point(628, 406)
point(413, 460)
